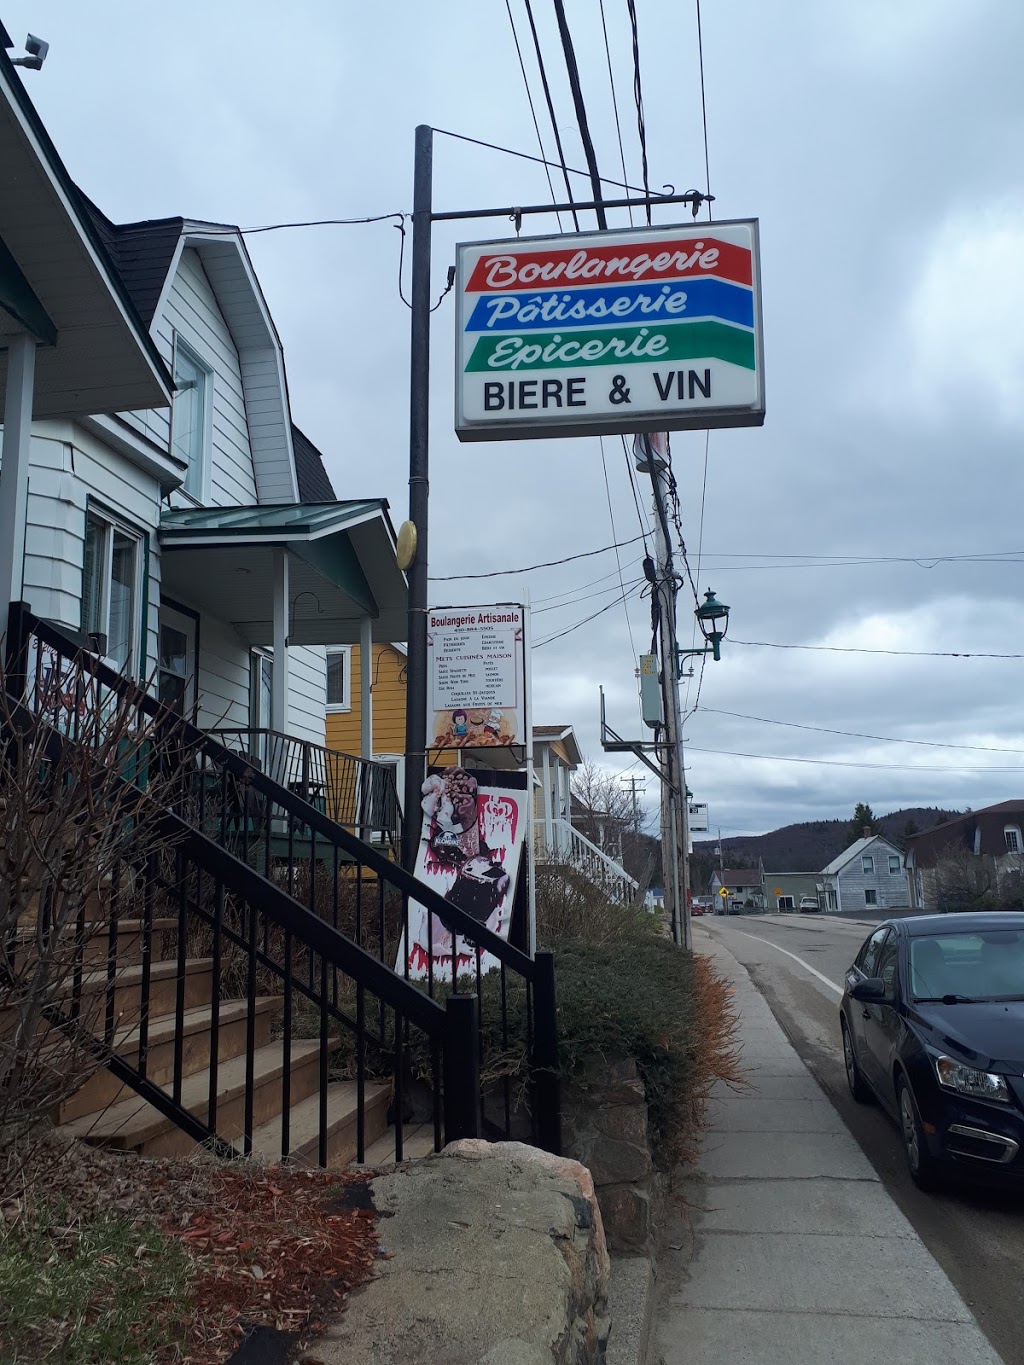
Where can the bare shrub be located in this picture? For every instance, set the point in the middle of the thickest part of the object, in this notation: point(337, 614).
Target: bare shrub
point(78, 820)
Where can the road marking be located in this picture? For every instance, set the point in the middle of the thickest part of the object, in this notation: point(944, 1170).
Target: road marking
point(813, 970)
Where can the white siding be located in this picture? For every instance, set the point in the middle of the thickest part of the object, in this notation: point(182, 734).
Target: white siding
point(67, 468)
point(223, 676)
point(307, 692)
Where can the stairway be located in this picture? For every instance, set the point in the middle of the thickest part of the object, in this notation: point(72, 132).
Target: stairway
point(105, 1112)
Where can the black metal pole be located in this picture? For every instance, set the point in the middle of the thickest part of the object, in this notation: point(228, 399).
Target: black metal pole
point(419, 489)
point(546, 1076)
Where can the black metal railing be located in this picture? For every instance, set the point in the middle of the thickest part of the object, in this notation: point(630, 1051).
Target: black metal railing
point(275, 899)
point(355, 792)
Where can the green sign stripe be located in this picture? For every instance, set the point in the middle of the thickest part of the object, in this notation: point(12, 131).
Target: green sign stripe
point(612, 346)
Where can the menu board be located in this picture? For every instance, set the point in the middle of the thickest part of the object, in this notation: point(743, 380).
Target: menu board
point(476, 673)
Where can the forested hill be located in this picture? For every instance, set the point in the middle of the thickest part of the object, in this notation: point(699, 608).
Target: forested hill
point(809, 846)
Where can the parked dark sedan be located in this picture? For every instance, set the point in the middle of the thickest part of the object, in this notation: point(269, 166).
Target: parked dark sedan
point(933, 1026)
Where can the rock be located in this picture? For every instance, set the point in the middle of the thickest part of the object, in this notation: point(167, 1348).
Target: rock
point(499, 1258)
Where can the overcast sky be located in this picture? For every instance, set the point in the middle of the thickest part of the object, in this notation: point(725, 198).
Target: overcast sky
point(878, 142)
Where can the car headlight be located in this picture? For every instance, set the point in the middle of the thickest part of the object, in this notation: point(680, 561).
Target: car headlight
point(981, 1085)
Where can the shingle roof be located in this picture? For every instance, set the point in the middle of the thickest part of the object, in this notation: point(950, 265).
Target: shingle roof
point(314, 483)
point(855, 849)
point(141, 252)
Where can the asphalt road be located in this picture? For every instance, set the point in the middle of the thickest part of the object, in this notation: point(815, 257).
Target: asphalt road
point(977, 1236)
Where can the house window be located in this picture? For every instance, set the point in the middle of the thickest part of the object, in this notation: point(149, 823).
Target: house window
point(261, 690)
point(339, 679)
point(1011, 837)
point(193, 382)
point(870, 896)
point(111, 569)
point(894, 865)
point(867, 863)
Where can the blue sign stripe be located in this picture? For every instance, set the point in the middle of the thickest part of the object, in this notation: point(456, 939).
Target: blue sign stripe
point(680, 301)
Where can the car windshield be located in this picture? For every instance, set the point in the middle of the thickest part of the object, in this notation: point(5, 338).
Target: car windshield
point(986, 965)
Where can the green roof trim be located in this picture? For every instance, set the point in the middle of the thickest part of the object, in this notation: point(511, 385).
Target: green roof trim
point(269, 522)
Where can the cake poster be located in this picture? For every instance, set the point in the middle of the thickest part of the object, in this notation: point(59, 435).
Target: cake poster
point(474, 826)
point(476, 677)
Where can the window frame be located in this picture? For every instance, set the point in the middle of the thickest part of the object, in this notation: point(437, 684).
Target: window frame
point(99, 629)
point(200, 492)
point(897, 870)
point(1012, 831)
point(867, 864)
point(791, 903)
point(871, 896)
point(865, 950)
point(342, 707)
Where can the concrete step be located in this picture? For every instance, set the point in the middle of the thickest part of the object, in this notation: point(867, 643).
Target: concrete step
point(97, 941)
point(133, 1125)
point(103, 1089)
point(163, 987)
point(304, 1126)
point(417, 1141)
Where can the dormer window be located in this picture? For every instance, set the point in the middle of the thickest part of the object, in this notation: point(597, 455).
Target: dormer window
point(193, 383)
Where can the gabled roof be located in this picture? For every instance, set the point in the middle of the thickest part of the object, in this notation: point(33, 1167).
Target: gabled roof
point(988, 822)
point(142, 252)
point(61, 284)
point(548, 734)
point(743, 876)
point(854, 851)
point(314, 483)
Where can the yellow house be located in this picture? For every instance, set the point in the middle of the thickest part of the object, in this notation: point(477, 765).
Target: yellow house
point(366, 705)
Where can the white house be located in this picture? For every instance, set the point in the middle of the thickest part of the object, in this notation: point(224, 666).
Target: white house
point(169, 510)
point(866, 876)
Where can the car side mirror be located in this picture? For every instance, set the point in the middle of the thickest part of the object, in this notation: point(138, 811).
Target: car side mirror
point(872, 988)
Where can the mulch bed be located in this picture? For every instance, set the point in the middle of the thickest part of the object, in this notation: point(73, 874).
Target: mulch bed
point(272, 1246)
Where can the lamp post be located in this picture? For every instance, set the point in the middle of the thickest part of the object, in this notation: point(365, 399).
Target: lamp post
point(713, 619)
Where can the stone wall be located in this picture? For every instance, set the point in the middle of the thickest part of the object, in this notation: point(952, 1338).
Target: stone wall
point(605, 1128)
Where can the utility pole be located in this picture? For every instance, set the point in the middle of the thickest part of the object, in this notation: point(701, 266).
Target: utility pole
point(674, 814)
point(636, 785)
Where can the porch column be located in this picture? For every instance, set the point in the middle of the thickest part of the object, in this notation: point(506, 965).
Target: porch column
point(549, 839)
point(21, 369)
point(279, 690)
point(366, 687)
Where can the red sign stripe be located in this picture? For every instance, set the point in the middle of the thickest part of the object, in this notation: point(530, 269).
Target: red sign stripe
point(613, 264)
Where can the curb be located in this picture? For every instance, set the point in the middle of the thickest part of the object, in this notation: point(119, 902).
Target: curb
point(630, 1306)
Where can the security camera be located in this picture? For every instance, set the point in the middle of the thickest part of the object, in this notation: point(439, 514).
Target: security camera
point(37, 50)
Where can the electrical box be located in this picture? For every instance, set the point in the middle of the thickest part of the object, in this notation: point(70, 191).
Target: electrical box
point(650, 691)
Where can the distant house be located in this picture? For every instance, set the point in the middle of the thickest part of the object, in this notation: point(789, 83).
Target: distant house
point(742, 885)
point(783, 891)
point(982, 850)
point(867, 875)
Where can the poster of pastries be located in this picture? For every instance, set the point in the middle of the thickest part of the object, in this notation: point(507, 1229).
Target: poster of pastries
point(474, 825)
point(476, 677)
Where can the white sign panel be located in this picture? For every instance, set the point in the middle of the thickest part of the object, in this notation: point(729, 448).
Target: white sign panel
point(652, 329)
point(476, 676)
point(698, 816)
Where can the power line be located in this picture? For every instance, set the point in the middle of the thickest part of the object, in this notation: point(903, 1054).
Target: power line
point(704, 110)
point(618, 562)
point(849, 763)
point(638, 96)
point(856, 734)
point(580, 587)
point(551, 110)
point(526, 156)
point(305, 223)
point(529, 568)
point(615, 102)
point(588, 596)
point(572, 68)
point(853, 649)
point(576, 625)
point(533, 111)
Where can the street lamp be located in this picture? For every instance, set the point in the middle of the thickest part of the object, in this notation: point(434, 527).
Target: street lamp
point(710, 615)
point(713, 619)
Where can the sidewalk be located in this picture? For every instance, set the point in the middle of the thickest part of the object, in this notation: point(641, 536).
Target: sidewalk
point(792, 1252)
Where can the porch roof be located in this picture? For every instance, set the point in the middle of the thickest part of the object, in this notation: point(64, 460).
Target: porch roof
point(342, 568)
point(57, 281)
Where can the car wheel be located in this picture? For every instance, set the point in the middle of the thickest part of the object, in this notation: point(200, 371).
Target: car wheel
point(923, 1167)
point(858, 1086)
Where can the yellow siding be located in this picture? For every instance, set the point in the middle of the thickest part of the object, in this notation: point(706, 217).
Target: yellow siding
point(343, 727)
